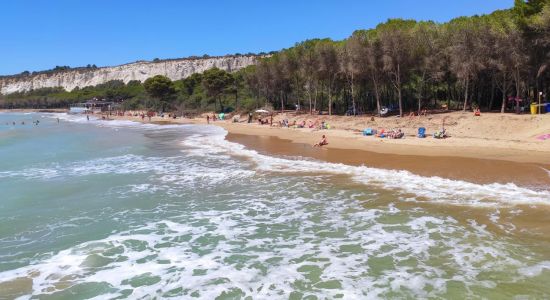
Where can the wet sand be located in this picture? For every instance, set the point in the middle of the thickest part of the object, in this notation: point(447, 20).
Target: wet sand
point(484, 171)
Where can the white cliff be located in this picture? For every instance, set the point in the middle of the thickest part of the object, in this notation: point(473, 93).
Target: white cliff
point(81, 77)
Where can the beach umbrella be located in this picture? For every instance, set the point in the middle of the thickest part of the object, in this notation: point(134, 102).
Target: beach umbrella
point(262, 111)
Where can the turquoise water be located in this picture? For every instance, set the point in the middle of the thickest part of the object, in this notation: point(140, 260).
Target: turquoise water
point(115, 209)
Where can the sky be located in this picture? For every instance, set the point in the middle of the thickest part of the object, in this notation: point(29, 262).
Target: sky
point(41, 34)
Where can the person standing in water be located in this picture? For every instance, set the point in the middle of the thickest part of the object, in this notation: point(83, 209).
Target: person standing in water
point(207, 119)
point(87, 117)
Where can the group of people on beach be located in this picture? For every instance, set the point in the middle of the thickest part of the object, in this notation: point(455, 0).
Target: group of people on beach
point(302, 124)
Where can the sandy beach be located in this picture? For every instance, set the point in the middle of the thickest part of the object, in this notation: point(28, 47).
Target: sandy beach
point(491, 148)
point(492, 136)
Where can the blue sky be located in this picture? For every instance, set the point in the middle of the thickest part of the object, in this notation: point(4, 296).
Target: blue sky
point(41, 34)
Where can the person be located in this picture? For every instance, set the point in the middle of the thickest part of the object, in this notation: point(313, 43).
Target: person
point(249, 117)
point(87, 117)
point(322, 142)
point(477, 112)
point(57, 120)
point(22, 122)
point(207, 119)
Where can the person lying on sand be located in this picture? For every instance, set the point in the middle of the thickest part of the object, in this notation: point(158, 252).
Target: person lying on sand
point(321, 143)
point(396, 134)
point(440, 134)
point(313, 125)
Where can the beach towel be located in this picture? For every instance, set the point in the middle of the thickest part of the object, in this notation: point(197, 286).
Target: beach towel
point(544, 137)
point(367, 131)
point(421, 132)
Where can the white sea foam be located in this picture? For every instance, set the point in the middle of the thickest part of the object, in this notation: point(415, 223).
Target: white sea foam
point(352, 252)
point(169, 173)
point(275, 235)
point(536, 269)
point(96, 121)
point(435, 189)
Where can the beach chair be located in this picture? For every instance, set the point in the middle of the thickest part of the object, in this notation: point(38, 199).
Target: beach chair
point(422, 132)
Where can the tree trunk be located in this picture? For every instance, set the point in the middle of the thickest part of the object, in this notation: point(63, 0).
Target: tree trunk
point(221, 105)
point(282, 102)
point(330, 99)
point(504, 90)
point(518, 88)
point(467, 84)
point(492, 93)
point(421, 92)
point(310, 104)
point(376, 95)
point(315, 99)
point(236, 100)
point(352, 97)
point(503, 107)
point(399, 90)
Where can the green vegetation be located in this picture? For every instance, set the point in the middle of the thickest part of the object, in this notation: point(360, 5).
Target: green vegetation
point(405, 65)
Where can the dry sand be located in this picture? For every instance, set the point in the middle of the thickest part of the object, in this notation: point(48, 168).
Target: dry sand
point(491, 136)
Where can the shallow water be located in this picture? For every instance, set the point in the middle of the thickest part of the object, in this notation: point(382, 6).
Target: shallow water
point(114, 209)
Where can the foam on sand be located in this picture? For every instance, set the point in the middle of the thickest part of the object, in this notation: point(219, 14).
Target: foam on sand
point(432, 188)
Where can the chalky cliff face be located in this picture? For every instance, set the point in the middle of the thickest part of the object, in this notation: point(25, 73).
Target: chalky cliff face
point(174, 69)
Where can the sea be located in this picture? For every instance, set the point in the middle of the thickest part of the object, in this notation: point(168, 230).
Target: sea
point(95, 209)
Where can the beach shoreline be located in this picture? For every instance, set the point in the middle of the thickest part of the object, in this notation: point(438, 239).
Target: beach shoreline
point(524, 161)
point(509, 143)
